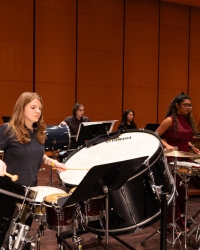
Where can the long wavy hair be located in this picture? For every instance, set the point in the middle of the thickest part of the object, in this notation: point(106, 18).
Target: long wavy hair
point(124, 118)
point(172, 111)
point(16, 126)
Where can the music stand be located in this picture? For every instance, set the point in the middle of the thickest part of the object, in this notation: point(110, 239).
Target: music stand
point(152, 126)
point(103, 179)
point(89, 130)
point(6, 119)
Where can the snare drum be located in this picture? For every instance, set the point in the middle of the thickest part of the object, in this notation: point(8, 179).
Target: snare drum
point(56, 218)
point(42, 191)
point(187, 168)
point(92, 209)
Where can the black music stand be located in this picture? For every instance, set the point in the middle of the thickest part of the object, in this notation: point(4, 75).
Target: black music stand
point(89, 130)
point(103, 179)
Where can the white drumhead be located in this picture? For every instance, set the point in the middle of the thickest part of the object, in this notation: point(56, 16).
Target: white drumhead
point(127, 146)
point(43, 191)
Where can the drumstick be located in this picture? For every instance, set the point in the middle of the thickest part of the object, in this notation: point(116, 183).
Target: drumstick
point(77, 168)
point(13, 177)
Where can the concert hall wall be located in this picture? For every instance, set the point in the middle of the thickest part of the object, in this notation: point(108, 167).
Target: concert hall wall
point(110, 55)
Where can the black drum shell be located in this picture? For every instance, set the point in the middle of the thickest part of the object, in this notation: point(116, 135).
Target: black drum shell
point(57, 137)
point(135, 204)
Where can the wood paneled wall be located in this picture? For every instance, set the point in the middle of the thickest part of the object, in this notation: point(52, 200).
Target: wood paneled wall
point(110, 55)
point(16, 54)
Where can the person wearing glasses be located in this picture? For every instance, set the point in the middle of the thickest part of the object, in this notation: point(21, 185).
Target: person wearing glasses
point(176, 131)
point(73, 123)
point(127, 121)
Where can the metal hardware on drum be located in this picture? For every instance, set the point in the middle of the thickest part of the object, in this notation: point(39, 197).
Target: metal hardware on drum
point(196, 227)
point(18, 239)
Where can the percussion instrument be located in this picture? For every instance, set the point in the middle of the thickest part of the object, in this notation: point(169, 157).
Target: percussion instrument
point(182, 154)
point(11, 194)
point(58, 137)
point(58, 219)
point(42, 192)
point(92, 209)
point(135, 203)
point(186, 168)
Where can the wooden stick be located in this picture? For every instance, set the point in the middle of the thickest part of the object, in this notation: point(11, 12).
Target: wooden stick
point(77, 168)
point(13, 177)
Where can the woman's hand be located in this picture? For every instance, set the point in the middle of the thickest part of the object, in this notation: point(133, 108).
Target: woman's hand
point(169, 147)
point(195, 150)
point(2, 168)
point(59, 166)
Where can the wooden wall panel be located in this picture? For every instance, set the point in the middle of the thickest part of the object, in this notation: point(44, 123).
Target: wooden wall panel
point(141, 60)
point(174, 49)
point(56, 57)
point(15, 51)
point(89, 56)
point(194, 76)
point(100, 44)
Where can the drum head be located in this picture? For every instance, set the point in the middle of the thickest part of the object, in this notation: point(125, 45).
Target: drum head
point(127, 146)
point(43, 191)
point(52, 199)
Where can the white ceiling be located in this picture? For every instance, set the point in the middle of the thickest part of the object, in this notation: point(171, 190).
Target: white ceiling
point(187, 2)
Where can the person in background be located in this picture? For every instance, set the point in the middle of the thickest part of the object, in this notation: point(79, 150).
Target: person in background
point(176, 131)
point(22, 140)
point(73, 123)
point(127, 121)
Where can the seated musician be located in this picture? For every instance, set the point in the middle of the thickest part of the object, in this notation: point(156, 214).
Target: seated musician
point(74, 121)
point(127, 121)
point(177, 130)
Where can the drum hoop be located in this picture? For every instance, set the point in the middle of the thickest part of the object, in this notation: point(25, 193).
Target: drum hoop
point(50, 204)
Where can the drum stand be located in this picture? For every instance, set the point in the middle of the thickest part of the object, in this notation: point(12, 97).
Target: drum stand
point(74, 236)
point(185, 180)
point(40, 232)
point(173, 224)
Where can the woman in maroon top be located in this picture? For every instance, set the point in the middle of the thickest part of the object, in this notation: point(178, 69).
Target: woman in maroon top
point(176, 131)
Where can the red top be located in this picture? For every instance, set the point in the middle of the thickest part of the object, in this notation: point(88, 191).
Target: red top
point(182, 136)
